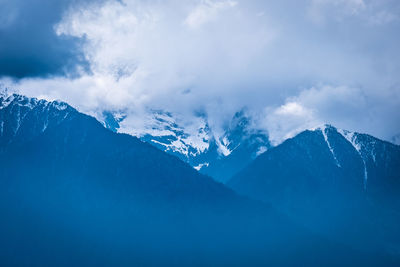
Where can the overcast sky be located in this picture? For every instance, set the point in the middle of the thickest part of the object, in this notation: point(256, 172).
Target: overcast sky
point(294, 64)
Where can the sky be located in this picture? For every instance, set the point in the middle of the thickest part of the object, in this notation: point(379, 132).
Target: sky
point(292, 64)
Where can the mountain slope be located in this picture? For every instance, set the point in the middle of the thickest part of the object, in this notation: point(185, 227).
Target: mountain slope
point(75, 193)
point(342, 184)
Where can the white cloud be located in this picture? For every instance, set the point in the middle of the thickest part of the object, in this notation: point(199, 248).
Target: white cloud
point(321, 10)
point(206, 11)
point(345, 107)
point(217, 56)
point(287, 120)
point(349, 6)
point(383, 17)
point(375, 12)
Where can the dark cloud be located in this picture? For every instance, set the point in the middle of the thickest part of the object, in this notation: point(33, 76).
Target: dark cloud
point(29, 46)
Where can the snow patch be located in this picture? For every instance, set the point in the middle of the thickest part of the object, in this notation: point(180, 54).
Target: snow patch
point(223, 146)
point(59, 105)
point(352, 138)
point(365, 176)
point(7, 101)
point(261, 150)
point(324, 133)
point(198, 167)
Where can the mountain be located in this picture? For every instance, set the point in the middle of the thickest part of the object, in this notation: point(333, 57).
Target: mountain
point(243, 144)
point(219, 156)
point(342, 184)
point(75, 193)
point(22, 118)
point(396, 139)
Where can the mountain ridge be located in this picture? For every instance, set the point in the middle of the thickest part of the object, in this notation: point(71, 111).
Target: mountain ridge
point(219, 156)
point(344, 185)
point(77, 193)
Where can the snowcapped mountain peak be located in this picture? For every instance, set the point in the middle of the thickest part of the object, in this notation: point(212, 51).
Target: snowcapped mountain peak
point(323, 157)
point(371, 152)
point(323, 127)
point(194, 141)
point(177, 136)
point(22, 117)
point(165, 130)
point(5, 92)
point(352, 137)
point(15, 99)
point(30, 103)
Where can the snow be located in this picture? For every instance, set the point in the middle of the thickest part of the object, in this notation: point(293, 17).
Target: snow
point(157, 142)
point(59, 105)
point(176, 133)
point(180, 146)
point(198, 167)
point(186, 136)
point(352, 138)
point(45, 126)
point(261, 150)
point(22, 105)
point(31, 103)
point(223, 144)
point(324, 130)
point(6, 102)
point(119, 116)
point(18, 121)
point(365, 176)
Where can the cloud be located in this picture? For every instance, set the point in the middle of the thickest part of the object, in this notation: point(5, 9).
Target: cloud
point(371, 11)
point(345, 107)
point(206, 11)
point(149, 51)
point(30, 47)
point(216, 57)
point(383, 17)
point(287, 120)
point(347, 6)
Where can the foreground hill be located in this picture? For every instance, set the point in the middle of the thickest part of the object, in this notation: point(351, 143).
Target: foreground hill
point(344, 185)
point(75, 193)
